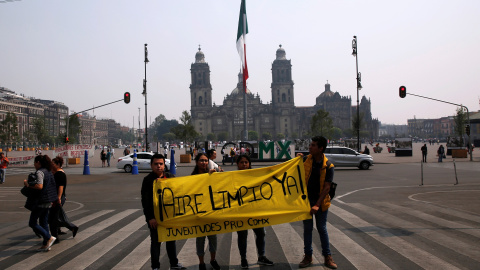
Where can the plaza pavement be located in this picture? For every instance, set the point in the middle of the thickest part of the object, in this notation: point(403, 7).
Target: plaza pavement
point(379, 158)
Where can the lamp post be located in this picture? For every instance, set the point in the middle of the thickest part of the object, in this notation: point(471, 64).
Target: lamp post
point(359, 86)
point(145, 95)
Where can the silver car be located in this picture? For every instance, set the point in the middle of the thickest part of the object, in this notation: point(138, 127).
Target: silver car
point(347, 157)
point(143, 160)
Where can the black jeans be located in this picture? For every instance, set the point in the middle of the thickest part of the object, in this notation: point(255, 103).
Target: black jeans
point(155, 250)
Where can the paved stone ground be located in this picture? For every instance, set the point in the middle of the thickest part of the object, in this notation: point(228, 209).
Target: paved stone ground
point(380, 158)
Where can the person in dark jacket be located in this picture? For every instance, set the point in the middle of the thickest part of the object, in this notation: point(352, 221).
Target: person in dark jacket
point(48, 194)
point(157, 163)
point(57, 217)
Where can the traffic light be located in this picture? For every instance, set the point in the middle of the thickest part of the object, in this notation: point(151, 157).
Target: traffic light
point(126, 97)
point(402, 91)
point(66, 139)
point(467, 129)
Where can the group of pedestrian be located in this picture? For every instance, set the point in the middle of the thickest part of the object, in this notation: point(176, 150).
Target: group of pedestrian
point(106, 156)
point(319, 176)
point(46, 196)
point(440, 153)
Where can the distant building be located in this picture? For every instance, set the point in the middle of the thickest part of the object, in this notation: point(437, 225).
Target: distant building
point(27, 110)
point(280, 116)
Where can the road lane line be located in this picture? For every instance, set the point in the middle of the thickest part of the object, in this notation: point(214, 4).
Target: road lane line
point(40, 257)
point(409, 251)
point(94, 253)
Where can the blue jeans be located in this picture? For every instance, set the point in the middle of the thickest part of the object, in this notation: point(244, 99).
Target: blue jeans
point(212, 244)
point(40, 214)
point(259, 241)
point(2, 175)
point(321, 221)
point(155, 250)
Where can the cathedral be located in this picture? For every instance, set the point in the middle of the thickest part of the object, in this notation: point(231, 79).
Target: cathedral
point(280, 116)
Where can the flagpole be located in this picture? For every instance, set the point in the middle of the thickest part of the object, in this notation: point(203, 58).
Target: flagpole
point(245, 128)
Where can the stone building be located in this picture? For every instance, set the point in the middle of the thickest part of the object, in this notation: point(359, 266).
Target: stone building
point(280, 116)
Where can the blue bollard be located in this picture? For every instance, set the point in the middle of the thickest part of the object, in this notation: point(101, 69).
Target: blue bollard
point(173, 170)
point(86, 167)
point(135, 162)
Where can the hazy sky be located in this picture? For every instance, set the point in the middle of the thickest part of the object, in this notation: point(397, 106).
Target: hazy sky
point(89, 52)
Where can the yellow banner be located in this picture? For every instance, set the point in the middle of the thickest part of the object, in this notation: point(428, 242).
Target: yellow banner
point(207, 204)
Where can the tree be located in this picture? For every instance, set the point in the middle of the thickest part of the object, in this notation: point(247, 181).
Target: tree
point(267, 136)
point(223, 136)
point(211, 136)
point(253, 135)
point(169, 136)
point(336, 133)
point(185, 129)
point(41, 134)
point(280, 136)
point(74, 128)
point(162, 126)
point(322, 124)
point(9, 128)
point(357, 124)
point(460, 119)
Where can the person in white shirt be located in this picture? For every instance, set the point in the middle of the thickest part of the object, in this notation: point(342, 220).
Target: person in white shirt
point(212, 155)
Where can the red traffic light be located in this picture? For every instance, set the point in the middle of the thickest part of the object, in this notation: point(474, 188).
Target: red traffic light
point(402, 91)
point(126, 97)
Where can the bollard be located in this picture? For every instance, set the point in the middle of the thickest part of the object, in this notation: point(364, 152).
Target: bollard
point(135, 162)
point(173, 170)
point(86, 167)
point(422, 173)
point(455, 168)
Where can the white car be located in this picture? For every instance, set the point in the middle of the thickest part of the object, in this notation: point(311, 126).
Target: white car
point(347, 157)
point(143, 160)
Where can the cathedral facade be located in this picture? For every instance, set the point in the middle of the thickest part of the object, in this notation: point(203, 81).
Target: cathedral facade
point(280, 116)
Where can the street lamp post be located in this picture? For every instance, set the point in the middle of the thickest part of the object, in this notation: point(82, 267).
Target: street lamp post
point(359, 86)
point(145, 95)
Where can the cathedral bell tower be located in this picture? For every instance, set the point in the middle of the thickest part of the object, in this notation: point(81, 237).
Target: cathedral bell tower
point(200, 94)
point(283, 103)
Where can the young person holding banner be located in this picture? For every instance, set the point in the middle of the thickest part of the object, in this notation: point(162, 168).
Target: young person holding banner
point(157, 164)
point(201, 166)
point(319, 177)
point(244, 163)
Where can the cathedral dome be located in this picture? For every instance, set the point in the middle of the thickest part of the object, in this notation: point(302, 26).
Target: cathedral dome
point(327, 93)
point(199, 56)
point(239, 88)
point(281, 55)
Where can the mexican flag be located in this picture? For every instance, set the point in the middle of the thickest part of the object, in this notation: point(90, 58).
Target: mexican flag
point(241, 47)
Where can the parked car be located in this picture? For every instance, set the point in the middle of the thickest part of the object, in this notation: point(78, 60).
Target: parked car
point(347, 157)
point(143, 160)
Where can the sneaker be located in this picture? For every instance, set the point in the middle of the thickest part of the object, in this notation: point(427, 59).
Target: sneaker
point(177, 266)
point(329, 262)
point(306, 262)
point(244, 264)
point(262, 260)
point(50, 243)
point(215, 265)
point(202, 266)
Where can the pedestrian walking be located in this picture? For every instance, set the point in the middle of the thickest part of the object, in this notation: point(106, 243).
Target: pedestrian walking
point(424, 152)
point(57, 217)
point(40, 205)
point(103, 157)
point(3, 167)
point(440, 153)
point(157, 163)
point(108, 157)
